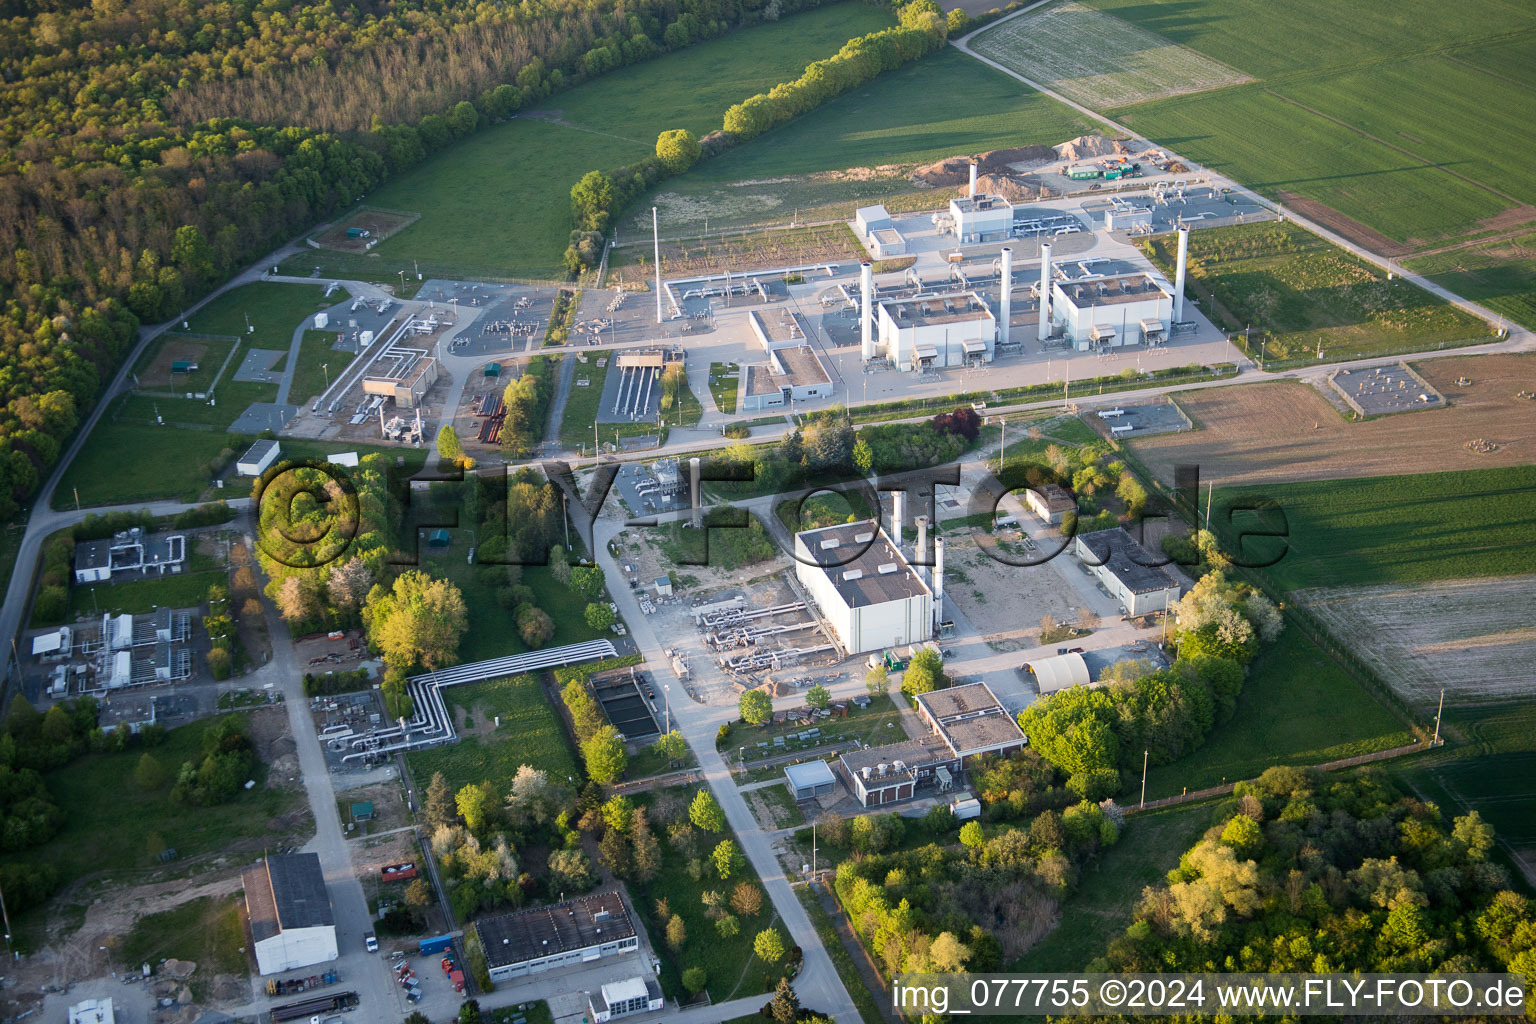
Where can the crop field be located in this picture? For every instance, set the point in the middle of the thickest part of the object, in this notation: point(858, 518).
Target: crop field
point(860, 147)
point(499, 201)
point(1308, 296)
point(1391, 530)
point(1100, 60)
point(1475, 638)
point(1285, 431)
point(1500, 274)
point(530, 732)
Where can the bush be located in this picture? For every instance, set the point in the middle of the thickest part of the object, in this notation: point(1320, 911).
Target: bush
point(335, 682)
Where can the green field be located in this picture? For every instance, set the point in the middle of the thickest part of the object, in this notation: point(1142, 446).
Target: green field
point(1297, 707)
point(1499, 274)
point(1307, 295)
point(530, 733)
point(207, 931)
point(113, 826)
point(724, 379)
point(905, 116)
point(500, 200)
point(140, 597)
point(318, 365)
point(274, 310)
point(1401, 529)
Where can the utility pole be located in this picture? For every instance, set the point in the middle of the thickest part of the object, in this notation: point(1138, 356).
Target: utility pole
point(1210, 496)
point(1144, 779)
point(1438, 713)
point(813, 853)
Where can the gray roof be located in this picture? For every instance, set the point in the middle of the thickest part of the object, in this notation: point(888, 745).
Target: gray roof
point(258, 451)
point(286, 892)
point(1127, 560)
point(911, 753)
point(93, 554)
point(854, 565)
point(970, 718)
point(809, 774)
point(560, 928)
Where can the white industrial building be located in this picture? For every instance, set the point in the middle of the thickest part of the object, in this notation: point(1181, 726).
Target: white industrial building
point(935, 331)
point(292, 925)
point(92, 1011)
point(622, 998)
point(1127, 571)
point(577, 931)
point(869, 219)
point(864, 587)
point(810, 779)
point(794, 371)
point(981, 218)
point(257, 458)
point(1108, 312)
point(1051, 502)
point(130, 552)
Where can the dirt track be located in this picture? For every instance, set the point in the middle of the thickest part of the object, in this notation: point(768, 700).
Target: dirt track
point(1473, 637)
point(1285, 430)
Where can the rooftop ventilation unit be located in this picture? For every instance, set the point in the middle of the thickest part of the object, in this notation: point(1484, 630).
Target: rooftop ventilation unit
point(863, 538)
point(854, 574)
point(886, 568)
point(829, 543)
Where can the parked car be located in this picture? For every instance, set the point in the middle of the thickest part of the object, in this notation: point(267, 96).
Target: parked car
point(371, 942)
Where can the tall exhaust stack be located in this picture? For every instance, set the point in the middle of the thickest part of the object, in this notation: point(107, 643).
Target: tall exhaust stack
point(920, 549)
point(656, 241)
point(1045, 291)
point(972, 192)
point(938, 579)
point(1007, 301)
point(1178, 277)
point(897, 509)
point(693, 492)
point(866, 310)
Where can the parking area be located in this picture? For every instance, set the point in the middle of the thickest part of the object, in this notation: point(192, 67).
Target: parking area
point(1384, 389)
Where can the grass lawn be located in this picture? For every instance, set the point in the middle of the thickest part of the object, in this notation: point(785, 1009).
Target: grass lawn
point(647, 762)
point(1498, 274)
point(724, 378)
point(532, 1013)
point(113, 826)
point(778, 796)
point(733, 970)
point(530, 733)
point(1100, 908)
point(106, 472)
point(904, 116)
point(184, 590)
point(500, 200)
point(688, 410)
point(1305, 293)
point(1396, 529)
point(213, 353)
point(1297, 707)
point(207, 931)
point(879, 723)
point(274, 310)
point(230, 399)
point(316, 359)
point(822, 510)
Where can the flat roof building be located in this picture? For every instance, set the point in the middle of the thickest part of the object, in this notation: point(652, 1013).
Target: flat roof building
point(130, 553)
point(869, 219)
point(1110, 312)
point(864, 587)
point(92, 1011)
point(793, 372)
point(810, 780)
point(576, 931)
point(1128, 572)
point(622, 998)
point(971, 721)
point(934, 331)
point(891, 773)
point(257, 458)
point(982, 218)
point(292, 925)
point(409, 387)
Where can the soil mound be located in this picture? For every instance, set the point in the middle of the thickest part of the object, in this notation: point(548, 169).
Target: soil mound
point(1086, 147)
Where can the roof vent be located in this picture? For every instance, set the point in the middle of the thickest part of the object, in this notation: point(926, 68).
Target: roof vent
point(853, 574)
point(886, 568)
point(829, 543)
point(863, 538)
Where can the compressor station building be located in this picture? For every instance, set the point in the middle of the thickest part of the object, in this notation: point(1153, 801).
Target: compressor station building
point(934, 331)
point(864, 587)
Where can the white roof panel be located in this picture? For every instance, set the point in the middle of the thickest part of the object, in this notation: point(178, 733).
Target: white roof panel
point(1060, 672)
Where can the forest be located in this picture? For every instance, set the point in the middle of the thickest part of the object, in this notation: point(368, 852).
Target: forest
point(149, 150)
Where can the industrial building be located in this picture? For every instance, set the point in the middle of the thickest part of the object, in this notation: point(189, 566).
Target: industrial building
point(577, 931)
point(1059, 672)
point(865, 589)
point(1051, 502)
point(891, 773)
point(809, 780)
point(869, 219)
point(981, 218)
point(92, 1011)
point(622, 998)
point(292, 925)
point(1109, 312)
point(407, 383)
point(1127, 571)
point(887, 242)
point(257, 458)
point(971, 721)
point(130, 553)
point(934, 331)
point(793, 372)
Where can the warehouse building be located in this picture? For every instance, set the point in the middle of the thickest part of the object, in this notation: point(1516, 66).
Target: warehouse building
point(793, 372)
point(409, 387)
point(863, 586)
point(971, 721)
point(934, 331)
point(810, 780)
point(623, 998)
point(1110, 312)
point(983, 218)
point(257, 458)
point(1127, 571)
point(1059, 672)
point(292, 925)
point(577, 931)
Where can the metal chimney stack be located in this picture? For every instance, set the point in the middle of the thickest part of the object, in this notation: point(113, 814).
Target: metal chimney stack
point(938, 579)
point(920, 549)
point(693, 492)
point(897, 510)
point(866, 311)
point(1007, 301)
point(972, 192)
point(1178, 277)
point(1045, 291)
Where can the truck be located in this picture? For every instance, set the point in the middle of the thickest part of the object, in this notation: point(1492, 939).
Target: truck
point(456, 976)
point(305, 1008)
point(436, 945)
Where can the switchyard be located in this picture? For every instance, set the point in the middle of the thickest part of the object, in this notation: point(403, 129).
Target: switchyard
point(1379, 390)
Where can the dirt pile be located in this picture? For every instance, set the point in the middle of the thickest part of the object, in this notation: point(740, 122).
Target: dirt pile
point(178, 969)
point(1086, 147)
point(956, 170)
point(1012, 187)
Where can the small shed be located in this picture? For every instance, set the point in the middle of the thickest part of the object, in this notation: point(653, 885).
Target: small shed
point(870, 219)
point(809, 780)
point(322, 321)
point(257, 458)
point(493, 369)
point(663, 586)
point(183, 366)
point(348, 459)
point(362, 810)
point(1060, 672)
point(966, 809)
point(439, 539)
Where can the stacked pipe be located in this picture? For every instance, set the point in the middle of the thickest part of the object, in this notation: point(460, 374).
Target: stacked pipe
point(938, 580)
point(972, 192)
point(1045, 291)
point(1178, 276)
point(866, 311)
point(920, 549)
point(1007, 300)
point(693, 492)
point(897, 510)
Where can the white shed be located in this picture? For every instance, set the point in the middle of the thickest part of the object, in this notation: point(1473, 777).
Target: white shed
point(1060, 672)
point(257, 458)
point(870, 219)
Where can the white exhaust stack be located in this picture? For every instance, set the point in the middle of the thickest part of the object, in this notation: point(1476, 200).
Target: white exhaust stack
point(938, 579)
point(1007, 301)
point(972, 192)
point(866, 312)
point(920, 549)
point(1178, 277)
point(897, 508)
point(693, 491)
point(1045, 291)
